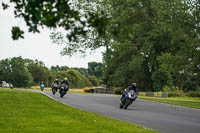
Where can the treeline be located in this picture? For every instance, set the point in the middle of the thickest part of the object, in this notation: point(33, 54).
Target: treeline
point(154, 43)
point(25, 73)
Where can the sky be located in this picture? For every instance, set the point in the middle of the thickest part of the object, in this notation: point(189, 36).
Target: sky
point(37, 46)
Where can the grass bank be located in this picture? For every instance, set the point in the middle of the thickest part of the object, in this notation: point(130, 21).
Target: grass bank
point(30, 112)
point(182, 101)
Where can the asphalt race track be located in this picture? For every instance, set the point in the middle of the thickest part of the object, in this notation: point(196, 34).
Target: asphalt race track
point(158, 116)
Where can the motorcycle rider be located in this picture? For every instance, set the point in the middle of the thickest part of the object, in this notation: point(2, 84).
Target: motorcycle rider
point(55, 82)
point(133, 87)
point(42, 82)
point(55, 86)
point(65, 81)
point(42, 85)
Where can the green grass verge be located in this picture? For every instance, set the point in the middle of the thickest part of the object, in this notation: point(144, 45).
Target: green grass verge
point(182, 101)
point(30, 112)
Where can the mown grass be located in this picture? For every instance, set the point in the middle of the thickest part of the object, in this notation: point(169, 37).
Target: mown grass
point(182, 101)
point(31, 112)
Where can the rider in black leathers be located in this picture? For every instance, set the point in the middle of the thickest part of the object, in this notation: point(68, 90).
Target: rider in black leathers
point(65, 81)
point(55, 82)
point(133, 87)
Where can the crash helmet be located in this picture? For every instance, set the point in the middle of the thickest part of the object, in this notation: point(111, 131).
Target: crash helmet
point(134, 84)
point(65, 78)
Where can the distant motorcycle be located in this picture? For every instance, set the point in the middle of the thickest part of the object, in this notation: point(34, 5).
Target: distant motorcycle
point(55, 88)
point(129, 98)
point(10, 86)
point(63, 89)
point(42, 87)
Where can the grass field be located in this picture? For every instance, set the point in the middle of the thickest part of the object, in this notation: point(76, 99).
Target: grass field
point(31, 112)
point(182, 101)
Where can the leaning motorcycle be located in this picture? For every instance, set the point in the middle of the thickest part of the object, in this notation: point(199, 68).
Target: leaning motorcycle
point(55, 88)
point(63, 89)
point(129, 98)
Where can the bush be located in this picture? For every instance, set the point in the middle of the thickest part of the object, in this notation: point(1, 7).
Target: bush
point(175, 88)
point(190, 85)
point(169, 89)
point(76, 80)
point(94, 80)
point(118, 91)
point(166, 89)
point(176, 94)
point(193, 94)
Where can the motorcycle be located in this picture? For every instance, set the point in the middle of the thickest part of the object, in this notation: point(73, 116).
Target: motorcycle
point(63, 89)
point(42, 87)
point(129, 98)
point(10, 86)
point(55, 88)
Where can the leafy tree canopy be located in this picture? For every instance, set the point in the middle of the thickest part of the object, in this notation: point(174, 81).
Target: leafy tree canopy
point(80, 19)
point(14, 71)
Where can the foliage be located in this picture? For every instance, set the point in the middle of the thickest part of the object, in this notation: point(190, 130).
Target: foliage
point(83, 71)
point(160, 79)
point(38, 70)
point(193, 94)
point(123, 67)
point(17, 33)
point(51, 14)
point(152, 42)
point(83, 21)
point(157, 41)
point(176, 94)
point(76, 80)
point(14, 71)
point(59, 68)
point(166, 89)
point(95, 69)
point(191, 84)
point(95, 81)
point(25, 72)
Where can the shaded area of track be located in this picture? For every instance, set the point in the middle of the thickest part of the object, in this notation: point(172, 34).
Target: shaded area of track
point(162, 117)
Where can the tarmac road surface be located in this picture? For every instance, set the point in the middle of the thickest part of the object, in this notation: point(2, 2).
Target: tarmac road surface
point(158, 116)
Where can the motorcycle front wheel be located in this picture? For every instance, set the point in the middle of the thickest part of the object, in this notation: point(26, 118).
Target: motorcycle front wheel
point(62, 93)
point(121, 106)
point(54, 90)
point(127, 103)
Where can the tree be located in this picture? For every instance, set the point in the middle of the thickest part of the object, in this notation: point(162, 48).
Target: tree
point(14, 70)
point(76, 80)
point(94, 80)
point(82, 20)
point(51, 14)
point(95, 69)
point(143, 32)
point(83, 71)
point(140, 36)
point(59, 68)
point(38, 70)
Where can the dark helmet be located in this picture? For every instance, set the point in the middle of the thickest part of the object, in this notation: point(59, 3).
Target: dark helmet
point(134, 84)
